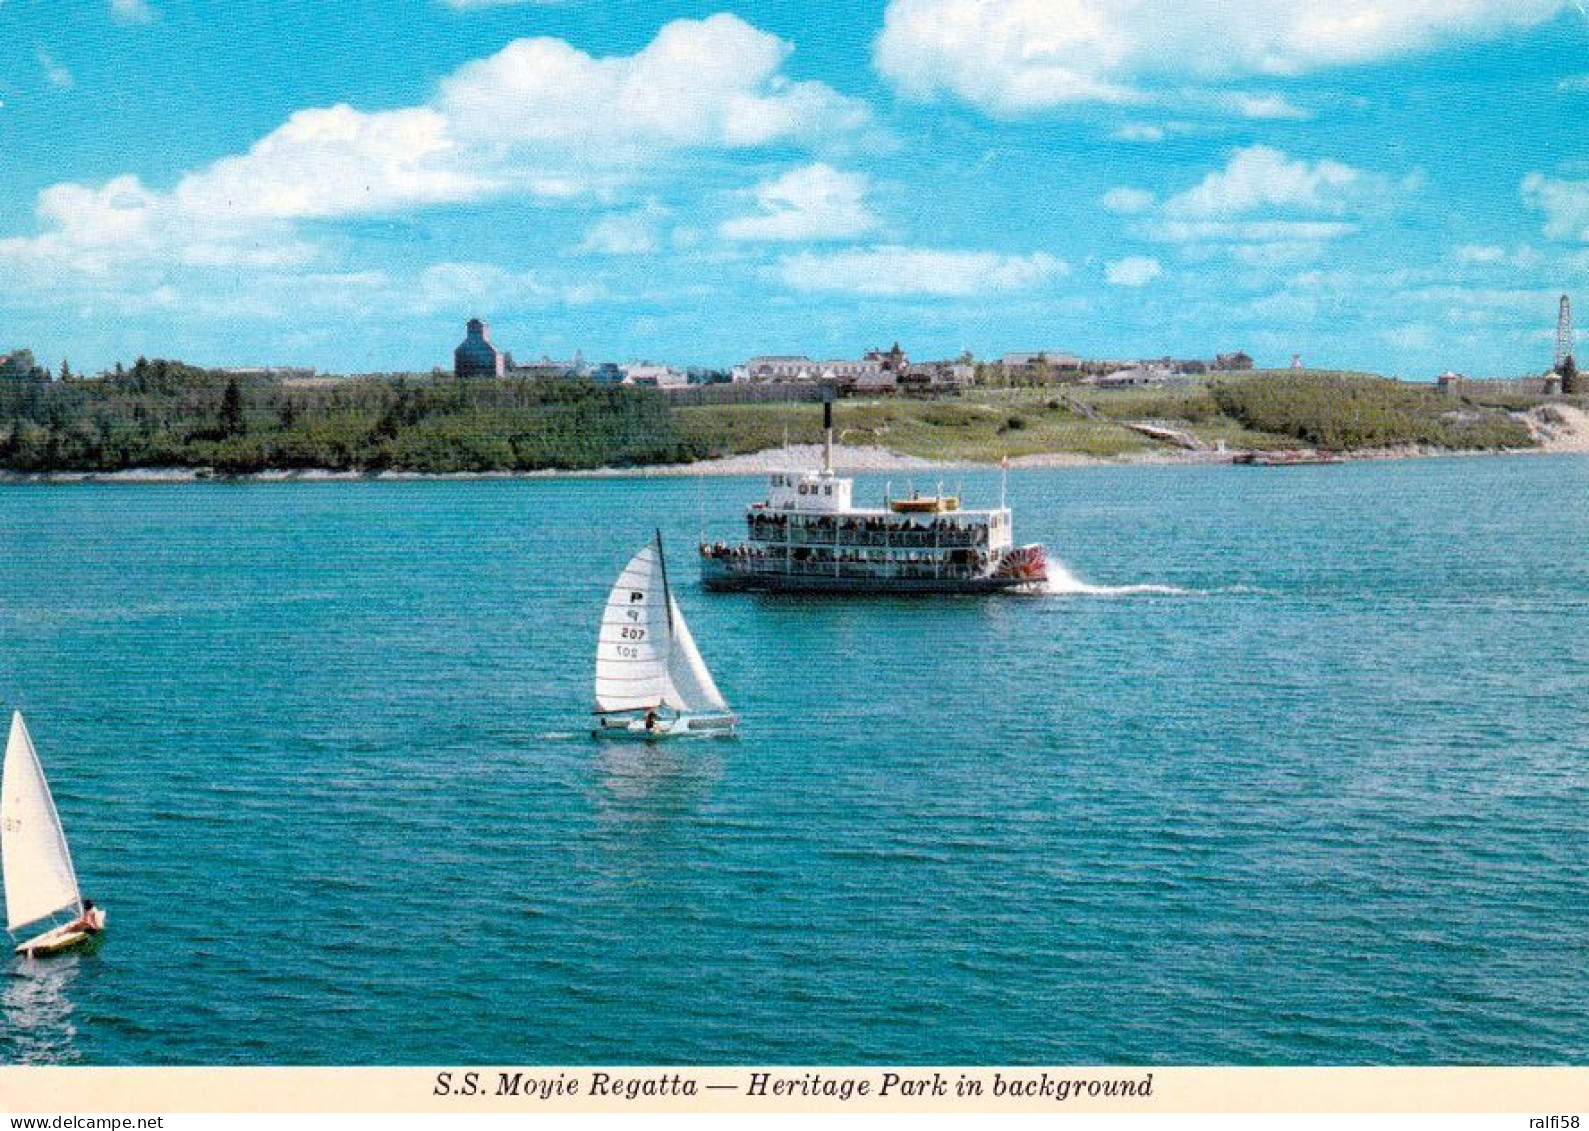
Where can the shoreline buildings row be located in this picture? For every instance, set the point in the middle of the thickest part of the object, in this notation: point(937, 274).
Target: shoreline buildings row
point(877, 372)
point(880, 372)
point(477, 356)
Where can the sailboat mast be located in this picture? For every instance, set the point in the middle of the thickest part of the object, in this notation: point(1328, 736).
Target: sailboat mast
point(667, 598)
point(667, 594)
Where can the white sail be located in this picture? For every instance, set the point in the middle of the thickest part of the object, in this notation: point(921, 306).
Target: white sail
point(632, 648)
point(690, 686)
point(37, 864)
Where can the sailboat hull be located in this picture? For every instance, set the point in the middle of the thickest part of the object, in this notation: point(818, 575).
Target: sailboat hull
point(684, 726)
point(61, 939)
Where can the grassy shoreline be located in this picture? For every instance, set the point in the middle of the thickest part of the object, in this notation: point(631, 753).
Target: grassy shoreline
point(1266, 411)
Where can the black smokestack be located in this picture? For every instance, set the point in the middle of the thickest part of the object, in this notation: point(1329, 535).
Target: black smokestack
point(827, 428)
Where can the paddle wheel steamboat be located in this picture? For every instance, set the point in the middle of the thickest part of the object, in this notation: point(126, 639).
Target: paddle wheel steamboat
point(808, 537)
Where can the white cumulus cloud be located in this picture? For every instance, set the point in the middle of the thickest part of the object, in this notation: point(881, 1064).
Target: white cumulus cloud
point(486, 286)
point(57, 74)
point(539, 118)
point(104, 233)
point(132, 11)
point(625, 233)
point(714, 83)
point(894, 271)
point(814, 202)
point(1483, 253)
point(1263, 107)
point(1264, 207)
point(1251, 231)
point(338, 162)
point(1564, 203)
point(1016, 56)
point(1262, 176)
point(1140, 131)
point(1133, 271)
point(1128, 201)
point(1491, 255)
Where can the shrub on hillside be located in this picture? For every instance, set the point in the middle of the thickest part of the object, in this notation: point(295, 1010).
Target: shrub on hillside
point(1346, 412)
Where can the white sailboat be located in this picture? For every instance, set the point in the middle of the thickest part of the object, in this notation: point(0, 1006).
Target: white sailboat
point(40, 883)
point(650, 679)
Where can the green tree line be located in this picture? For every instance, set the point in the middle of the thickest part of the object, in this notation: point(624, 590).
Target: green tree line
point(166, 414)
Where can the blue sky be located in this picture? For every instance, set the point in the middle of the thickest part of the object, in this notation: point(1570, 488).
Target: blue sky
point(1390, 185)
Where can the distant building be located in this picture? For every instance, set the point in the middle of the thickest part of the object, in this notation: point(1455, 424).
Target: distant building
point(1232, 362)
point(1138, 375)
point(654, 376)
point(475, 355)
point(937, 377)
point(1055, 359)
point(894, 361)
point(1044, 366)
point(876, 371)
point(779, 367)
point(1167, 366)
point(1060, 367)
point(874, 382)
point(544, 370)
point(786, 369)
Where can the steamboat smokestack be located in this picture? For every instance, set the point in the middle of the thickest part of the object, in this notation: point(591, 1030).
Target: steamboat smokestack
point(827, 429)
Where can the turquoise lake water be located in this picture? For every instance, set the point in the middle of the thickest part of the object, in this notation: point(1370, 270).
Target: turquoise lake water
point(1297, 774)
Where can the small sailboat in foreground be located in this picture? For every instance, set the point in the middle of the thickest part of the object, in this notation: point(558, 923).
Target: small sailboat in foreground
point(651, 682)
point(40, 881)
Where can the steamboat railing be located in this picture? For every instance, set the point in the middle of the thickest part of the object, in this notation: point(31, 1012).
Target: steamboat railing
point(890, 539)
point(885, 571)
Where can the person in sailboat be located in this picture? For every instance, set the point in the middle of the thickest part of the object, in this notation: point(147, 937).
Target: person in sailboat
point(651, 719)
point(88, 922)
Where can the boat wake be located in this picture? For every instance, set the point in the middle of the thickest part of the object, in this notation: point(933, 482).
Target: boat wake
point(1063, 583)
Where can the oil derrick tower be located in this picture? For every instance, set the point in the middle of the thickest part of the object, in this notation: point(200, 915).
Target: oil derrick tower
point(1564, 337)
